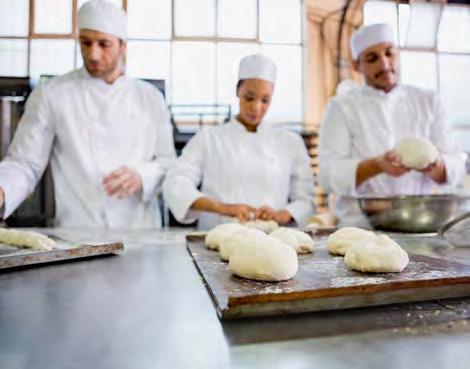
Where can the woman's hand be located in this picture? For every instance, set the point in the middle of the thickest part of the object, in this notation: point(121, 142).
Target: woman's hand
point(283, 217)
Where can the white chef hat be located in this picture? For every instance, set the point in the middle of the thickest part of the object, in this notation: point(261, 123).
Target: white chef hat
point(103, 16)
point(370, 35)
point(257, 66)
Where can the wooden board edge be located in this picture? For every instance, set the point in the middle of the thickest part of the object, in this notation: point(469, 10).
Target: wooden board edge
point(41, 257)
point(344, 302)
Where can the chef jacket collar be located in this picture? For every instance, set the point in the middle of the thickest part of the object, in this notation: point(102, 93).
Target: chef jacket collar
point(241, 128)
point(375, 92)
point(86, 77)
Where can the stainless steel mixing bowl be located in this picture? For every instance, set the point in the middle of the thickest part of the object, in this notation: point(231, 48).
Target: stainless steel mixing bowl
point(412, 213)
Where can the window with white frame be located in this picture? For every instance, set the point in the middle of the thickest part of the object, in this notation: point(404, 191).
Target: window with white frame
point(194, 45)
point(434, 49)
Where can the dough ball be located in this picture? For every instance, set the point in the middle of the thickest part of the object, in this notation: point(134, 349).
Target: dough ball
point(300, 241)
point(28, 239)
point(264, 259)
point(339, 241)
point(263, 225)
point(231, 241)
point(416, 152)
point(378, 255)
point(219, 232)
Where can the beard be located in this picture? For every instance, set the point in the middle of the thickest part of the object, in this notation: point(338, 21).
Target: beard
point(104, 72)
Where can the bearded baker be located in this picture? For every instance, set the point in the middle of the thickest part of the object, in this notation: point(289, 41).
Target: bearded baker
point(362, 126)
point(108, 137)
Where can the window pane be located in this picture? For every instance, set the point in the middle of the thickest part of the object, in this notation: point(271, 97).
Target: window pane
point(280, 21)
point(237, 18)
point(149, 18)
point(423, 24)
point(149, 59)
point(58, 21)
point(454, 85)
point(194, 17)
point(115, 2)
point(228, 59)
point(286, 106)
point(53, 57)
point(14, 17)
point(193, 77)
point(455, 29)
point(13, 58)
point(418, 69)
point(403, 21)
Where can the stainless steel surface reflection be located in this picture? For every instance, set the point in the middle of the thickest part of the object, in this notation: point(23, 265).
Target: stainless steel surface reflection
point(412, 213)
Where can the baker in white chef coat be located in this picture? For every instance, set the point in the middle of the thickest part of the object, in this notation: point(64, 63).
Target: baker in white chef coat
point(246, 168)
point(363, 124)
point(108, 137)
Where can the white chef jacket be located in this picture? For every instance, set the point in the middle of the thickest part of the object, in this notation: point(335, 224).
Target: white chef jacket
point(365, 122)
point(88, 128)
point(267, 167)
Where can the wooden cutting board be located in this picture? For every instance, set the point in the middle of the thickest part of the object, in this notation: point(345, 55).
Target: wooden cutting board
point(11, 257)
point(324, 283)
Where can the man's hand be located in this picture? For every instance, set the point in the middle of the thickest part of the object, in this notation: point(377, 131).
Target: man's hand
point(123, 182)
point(390, 163)
point(242, 212)
point(436, 171)
point(2, 198)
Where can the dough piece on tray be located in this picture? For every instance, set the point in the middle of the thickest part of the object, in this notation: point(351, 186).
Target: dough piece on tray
point(300, 241)
point(26, 239)
point(229, 243)
point(263, 258)
point(339, 241)
point(379, 254)
point(215, 236)
point(266, 226)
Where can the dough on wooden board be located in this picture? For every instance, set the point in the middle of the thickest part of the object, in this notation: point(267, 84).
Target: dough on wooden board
point(379, 254)
point(264, 259)
point(300, 241)
point(229, 243)
point(339, 241)
point(263, 225)
point(416, 152)
point(27, 239)
point(215, 236)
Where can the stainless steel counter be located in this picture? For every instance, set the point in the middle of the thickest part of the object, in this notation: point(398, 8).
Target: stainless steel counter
point(147, 308)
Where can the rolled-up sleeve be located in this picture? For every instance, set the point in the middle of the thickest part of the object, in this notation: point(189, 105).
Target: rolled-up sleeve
point(443, 137)
point(29, 152)
point(337, 166)
point(301, 193)
point(180, 185)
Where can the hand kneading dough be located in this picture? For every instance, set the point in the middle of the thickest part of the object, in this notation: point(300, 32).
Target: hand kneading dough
point(416, 152)
point(229, 243)
point(264, 259)
point(339, 241)
point(378, 255)
point(300, 241)
point(28, 239)
point(218, 233)
point(263, 225)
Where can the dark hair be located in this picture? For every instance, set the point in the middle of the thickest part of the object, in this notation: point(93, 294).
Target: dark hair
point(239, 84)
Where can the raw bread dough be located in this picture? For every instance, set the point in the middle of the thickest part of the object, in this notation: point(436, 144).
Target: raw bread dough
point(380, 254)
point(416, 152)
point(27, 239)
point(263, 225)
point(300, 241)
point(229, 243)
point(339, 241)
point(264, 259)
point(218, 233)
